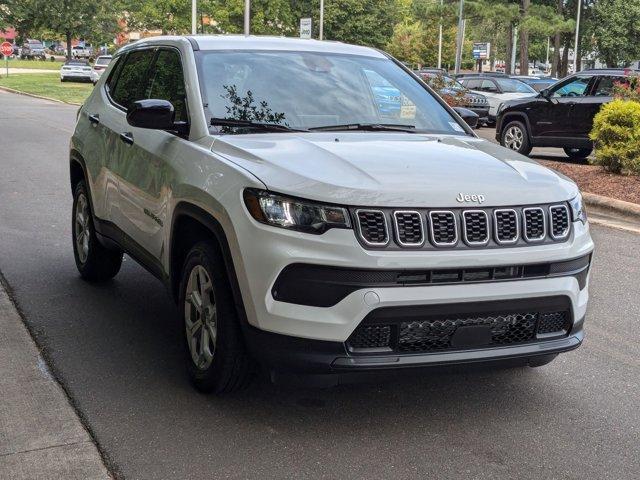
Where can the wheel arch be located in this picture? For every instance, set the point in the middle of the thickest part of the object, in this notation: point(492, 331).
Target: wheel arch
point(512, 116)
point(196, 224)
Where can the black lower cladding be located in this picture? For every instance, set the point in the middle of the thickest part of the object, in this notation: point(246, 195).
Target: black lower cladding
point(431, 328)
point(325, 286)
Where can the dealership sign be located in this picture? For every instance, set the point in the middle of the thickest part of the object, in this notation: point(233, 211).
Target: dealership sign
point(481, 50)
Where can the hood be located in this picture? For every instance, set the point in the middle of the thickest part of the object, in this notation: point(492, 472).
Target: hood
point(393, 169)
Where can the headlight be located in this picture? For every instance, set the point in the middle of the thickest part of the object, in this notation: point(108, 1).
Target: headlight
point(293, 213)
point(578, 213)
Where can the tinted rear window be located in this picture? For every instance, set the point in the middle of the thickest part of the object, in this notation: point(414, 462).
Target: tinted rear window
point(133, 78)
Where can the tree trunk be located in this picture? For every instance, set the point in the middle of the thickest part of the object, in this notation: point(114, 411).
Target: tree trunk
point(555, 62)
point(564, 71)
point(68, 37)
point(524, 39)
point(507, 63)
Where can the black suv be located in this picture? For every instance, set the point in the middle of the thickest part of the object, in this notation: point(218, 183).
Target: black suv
point(560, 116)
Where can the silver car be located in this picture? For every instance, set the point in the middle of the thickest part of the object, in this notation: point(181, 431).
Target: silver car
point(301, 222)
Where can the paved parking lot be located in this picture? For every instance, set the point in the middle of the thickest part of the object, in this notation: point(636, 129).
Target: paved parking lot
point(115, 348)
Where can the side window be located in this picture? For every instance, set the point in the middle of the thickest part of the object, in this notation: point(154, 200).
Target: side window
point(605, 86)
point(575, 87)
point(168, 82)
point(115, 71)
point(132, 82)
point(488, 86)
point(473, 84)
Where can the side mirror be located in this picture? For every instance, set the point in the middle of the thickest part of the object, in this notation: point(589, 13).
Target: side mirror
point(545, 93)
point(470, 118)
point(153, 114)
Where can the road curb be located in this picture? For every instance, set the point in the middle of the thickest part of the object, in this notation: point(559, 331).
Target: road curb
point(611, 206)
point(33, 95)
point(42, 435)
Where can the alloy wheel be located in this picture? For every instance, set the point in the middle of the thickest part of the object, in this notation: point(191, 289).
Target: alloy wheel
point(81, 226)
point(200, 316)
point(514, 138)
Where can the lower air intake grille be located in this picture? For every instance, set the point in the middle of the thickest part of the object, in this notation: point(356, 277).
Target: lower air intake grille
point(553, 322)
point(409, 228)
point(373, 227)
point(476, 228)
point(559, 221)
point(534, 228)
point(370, 336)
point(444, 230)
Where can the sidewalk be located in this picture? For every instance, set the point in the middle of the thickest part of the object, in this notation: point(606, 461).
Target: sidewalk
point(41, 436)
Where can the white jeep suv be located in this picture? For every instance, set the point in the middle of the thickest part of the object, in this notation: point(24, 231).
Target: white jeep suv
point(307, 215)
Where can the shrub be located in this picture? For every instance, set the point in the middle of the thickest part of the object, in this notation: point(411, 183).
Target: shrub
point(616, 134)
point(628, 89)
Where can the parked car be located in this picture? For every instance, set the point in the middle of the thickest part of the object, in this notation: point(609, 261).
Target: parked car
point(560, 116)
point(497, 89)
point(296, 227)
point(79, 70)
point(535, 82)
point(33, 49)
point(446, 85)
point(80, 51)
point(100, 65)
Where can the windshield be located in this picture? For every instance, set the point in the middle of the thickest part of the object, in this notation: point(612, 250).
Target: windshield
point(103, 60)
point(303, 90)
point(508, 85)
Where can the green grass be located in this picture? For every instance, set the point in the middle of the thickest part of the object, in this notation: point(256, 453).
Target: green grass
point(39, 64)
point(47, 85)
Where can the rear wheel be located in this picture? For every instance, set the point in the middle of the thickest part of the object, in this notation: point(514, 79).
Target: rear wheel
point(514, 136)
point(217, 360)
point(95, 262)
point(578, 153)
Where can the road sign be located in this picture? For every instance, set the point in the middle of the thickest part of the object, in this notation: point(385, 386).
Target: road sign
point(305, 28)
point(481, 50)
point(6, 49)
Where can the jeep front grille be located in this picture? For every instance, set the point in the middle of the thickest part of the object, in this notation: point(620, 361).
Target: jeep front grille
point(476, 227)
point(409, 228)
point(479, 227)
point(534, 225)
point(373, 227)
point(444, 228)
point(559, 215)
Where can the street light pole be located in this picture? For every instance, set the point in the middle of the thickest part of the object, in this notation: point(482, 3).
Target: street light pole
point(440, 38)
point(194, 14)
point(247, 17)
point(321, 36)
point(460, 38)
point(575, 45)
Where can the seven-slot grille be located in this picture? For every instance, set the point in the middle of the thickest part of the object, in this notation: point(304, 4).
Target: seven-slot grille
point(506, 226)
point(444, 229)
point(476, 227)
point(409, 229)
point(534, 226)
point(559, 216)
point(373, 227)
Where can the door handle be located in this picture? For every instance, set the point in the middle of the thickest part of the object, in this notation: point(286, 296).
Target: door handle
point(127, 137)
point(95, 119)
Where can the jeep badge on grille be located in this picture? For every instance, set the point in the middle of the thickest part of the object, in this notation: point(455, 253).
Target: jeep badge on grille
point(462, 198)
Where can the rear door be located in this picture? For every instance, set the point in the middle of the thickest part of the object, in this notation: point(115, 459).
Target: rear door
point(145, 173)
point(600, 92)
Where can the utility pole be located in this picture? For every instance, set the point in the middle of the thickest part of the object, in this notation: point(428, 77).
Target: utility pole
point(546, 62)
point(247, 17)
point(575, 45)
point(321, 36)
point(440, 38)
point(194, 14)
point(460, 38)
point(513, 51)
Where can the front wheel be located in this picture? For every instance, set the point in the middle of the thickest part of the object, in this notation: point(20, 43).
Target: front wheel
point(578, 153)
point(514, 136)
point(95, 262)
point(217, 360)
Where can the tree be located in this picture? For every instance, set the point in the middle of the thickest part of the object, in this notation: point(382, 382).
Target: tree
point(616, 31)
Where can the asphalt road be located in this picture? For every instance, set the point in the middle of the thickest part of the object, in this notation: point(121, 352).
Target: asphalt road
point(115, 348)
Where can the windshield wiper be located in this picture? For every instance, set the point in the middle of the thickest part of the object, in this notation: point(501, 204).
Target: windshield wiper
point(369, 127)
point(266, 127)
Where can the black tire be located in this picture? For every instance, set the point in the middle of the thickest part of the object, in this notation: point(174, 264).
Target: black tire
point(536, 362)
point(98, 263)
point(514, 136)
point(231, 367)
point(578, 153)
